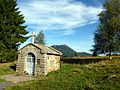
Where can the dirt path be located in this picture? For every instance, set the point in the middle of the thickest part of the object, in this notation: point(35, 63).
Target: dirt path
point(15, 79)
point(3, 85)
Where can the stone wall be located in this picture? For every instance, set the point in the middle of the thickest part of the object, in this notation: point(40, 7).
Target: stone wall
point(22, 57)
point(53, 63)
point(44, 63)
point(43, 67)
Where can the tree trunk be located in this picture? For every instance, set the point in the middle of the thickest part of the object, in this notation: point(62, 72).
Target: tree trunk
point(110, 57)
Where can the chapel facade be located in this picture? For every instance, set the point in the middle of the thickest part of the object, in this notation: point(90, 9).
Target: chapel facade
point(37, 59)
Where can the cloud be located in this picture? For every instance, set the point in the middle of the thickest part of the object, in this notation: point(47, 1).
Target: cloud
point(69, 32)
point(57, 14)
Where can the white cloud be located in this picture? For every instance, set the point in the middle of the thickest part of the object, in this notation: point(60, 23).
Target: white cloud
point(58, 14)
point(69, 32)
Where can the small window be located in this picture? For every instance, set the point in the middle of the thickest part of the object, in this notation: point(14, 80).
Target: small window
point(30, 57)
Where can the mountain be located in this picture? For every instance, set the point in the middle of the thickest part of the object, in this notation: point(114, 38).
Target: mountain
point(83, 54)
point(67, 51)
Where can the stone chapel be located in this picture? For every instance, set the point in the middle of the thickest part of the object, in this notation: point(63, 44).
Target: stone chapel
point(37, 59)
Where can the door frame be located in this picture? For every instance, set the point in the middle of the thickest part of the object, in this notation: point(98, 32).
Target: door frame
point(33, 58)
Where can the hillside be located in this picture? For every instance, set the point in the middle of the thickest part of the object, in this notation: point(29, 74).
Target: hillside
point(83, 54)
point(66, 50)
point(100, 76)
point(69, 52)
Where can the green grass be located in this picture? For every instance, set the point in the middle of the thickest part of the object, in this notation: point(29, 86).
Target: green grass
point(100, 76)
point(6, 68)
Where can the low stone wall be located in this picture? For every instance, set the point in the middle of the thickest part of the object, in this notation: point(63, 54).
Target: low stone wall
point(82, 60)
point(53, 63)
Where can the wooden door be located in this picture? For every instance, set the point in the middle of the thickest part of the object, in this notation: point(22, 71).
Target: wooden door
point(30, 64)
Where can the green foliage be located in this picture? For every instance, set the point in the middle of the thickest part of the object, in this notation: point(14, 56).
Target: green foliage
point(107, 37)
point(101, 76)
point(11, 30)
point(40, 38)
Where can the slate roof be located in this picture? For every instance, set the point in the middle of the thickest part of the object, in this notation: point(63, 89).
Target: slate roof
point(45, 49)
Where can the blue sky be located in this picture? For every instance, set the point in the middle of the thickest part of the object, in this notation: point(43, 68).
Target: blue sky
point(70, 22)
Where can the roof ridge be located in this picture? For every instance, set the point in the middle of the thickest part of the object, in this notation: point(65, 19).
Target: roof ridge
point(46, 49)
point(55, 49)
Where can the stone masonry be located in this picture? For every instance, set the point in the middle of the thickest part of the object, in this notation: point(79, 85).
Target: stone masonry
point(47, 59)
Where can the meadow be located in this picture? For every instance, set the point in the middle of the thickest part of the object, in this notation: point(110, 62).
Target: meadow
point(6, 68)
point(103, 75)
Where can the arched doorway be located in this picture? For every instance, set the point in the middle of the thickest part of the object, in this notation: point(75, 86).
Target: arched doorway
point(30, 64)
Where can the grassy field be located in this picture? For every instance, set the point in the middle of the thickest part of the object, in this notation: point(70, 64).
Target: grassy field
point(104, 75)
point(6, 68)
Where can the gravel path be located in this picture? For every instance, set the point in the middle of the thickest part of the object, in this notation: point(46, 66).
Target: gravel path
point(15, 79)
point(3, 85)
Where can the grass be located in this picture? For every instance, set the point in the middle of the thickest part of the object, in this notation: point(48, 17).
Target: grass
point(104, 75)
point(6, 68)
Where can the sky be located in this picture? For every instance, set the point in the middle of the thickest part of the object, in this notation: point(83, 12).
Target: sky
point(70, 22)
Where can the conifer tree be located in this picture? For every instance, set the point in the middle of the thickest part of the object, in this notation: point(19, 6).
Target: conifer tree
point(40, 38)
point(12, 31)
point(107, 36)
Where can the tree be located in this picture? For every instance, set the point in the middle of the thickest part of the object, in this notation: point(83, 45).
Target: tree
point(40, 38)
point(107, 36)
point(11, 30)
point(94, 53)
